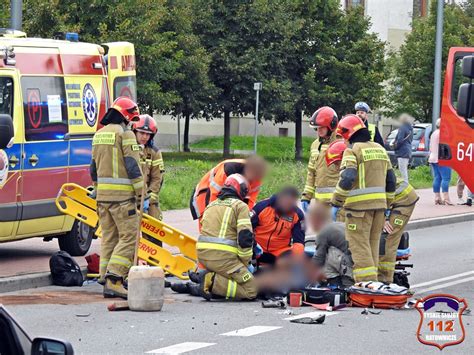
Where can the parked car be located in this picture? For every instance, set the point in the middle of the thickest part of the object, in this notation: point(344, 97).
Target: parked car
point(14, 340)
point(420, 145)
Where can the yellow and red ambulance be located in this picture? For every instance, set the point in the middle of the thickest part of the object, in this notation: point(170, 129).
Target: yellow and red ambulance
point(55, 92)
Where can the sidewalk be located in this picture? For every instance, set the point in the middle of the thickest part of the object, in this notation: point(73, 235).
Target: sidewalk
point(32, 255)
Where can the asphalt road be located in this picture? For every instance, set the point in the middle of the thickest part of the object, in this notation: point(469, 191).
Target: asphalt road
point(187, 323)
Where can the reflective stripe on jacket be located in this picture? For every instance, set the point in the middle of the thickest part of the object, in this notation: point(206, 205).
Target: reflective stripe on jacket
point(115, 168)
point(368, 191)
point(220, 226)
point(405, 195)
point(320, 179)
point(277, 233)
point(153, 169)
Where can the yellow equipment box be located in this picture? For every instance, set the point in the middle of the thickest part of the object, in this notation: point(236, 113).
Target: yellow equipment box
point(74, 200)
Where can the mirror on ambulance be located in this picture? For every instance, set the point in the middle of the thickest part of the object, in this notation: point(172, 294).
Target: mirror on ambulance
point(6, 131)
point(465, 101)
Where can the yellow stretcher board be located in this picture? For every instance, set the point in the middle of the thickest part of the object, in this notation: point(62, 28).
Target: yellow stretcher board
point(74, 201)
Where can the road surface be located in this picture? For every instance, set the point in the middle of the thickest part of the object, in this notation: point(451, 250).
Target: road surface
point(444, 263)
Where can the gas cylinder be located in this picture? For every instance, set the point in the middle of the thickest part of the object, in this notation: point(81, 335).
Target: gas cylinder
point(146, 285)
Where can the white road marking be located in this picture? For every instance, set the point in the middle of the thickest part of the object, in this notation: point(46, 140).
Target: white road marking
point(447, 284)
point(248, 332)
point(443, 279)
point(180, 348)
point(312, 315)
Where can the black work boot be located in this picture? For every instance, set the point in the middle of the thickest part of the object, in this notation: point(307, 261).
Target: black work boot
point(194, 275)
point(181, 287)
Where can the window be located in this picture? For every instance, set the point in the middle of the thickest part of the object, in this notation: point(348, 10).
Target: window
point(44, 106)
point(458, 79)
point(6, 96)
point(125, 86)
point(282, 132)
point(352, 3)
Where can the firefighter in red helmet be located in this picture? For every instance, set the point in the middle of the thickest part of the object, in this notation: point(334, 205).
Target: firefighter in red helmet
point(118, 181)
point(321, 179)
point(365, 189)
point(224, 247)
point(151, 163)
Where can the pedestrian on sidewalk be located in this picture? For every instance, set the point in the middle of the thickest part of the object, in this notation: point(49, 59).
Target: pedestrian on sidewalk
point(441, 174)
point(402, 144)
point(460, 185)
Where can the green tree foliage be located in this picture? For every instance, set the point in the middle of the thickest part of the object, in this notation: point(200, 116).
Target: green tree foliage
point(411, 70)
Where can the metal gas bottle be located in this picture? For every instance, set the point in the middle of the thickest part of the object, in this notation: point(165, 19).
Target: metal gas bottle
point(146, 285)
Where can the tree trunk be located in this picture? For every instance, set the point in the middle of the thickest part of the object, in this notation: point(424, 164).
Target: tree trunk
point(298, 135)
point(186, 133)
point(226, 152)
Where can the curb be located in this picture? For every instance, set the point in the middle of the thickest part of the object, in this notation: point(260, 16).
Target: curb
point(439, 221)
point(43, 279)
point(27, 281)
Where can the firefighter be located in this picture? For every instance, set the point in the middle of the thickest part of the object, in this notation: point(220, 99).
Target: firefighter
point(151, 163)
point(278, 225)
point(365, 188)
point(224, 247)
point(362, 110)
point(397, 217)
point(321, 180)
point(118, 183)
point(253, 169)
point(333, 156)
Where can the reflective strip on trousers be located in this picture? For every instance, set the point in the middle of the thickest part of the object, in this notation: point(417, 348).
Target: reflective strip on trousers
point(225, 222)
point(366, 271)
point(120, 260)
point(231, 289)
point(387, 265)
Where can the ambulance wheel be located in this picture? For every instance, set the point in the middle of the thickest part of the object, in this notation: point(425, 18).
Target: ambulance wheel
point(78, 241)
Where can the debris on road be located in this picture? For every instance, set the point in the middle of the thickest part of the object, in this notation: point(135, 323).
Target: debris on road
point(310, 320)
point(118, 306)
point(274, 304)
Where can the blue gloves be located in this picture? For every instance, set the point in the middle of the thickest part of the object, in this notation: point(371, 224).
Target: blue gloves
point(305, 205)
point(251, 268)
point(334, 211)
point(388, 212)
point(258, 250)
point(146, 205)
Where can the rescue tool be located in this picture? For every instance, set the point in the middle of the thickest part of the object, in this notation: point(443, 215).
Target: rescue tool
point(74, 200)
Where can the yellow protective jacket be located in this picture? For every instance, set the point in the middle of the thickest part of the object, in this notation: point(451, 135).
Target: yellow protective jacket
point(153, 169)
point(221, 224)
point(321, 180)
point(367, 180)
point(115, 168)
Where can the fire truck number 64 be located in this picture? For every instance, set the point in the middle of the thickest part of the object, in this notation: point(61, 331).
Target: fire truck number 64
point(465, 151)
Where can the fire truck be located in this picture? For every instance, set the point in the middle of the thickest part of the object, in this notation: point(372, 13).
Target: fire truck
point(456, 148)
point(53, 93)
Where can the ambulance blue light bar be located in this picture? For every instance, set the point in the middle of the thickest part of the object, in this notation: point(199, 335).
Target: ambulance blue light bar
point(72, 36)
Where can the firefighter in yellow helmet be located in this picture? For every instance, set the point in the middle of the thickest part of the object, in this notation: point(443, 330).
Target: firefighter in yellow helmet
point(225, 246)
point(365, 188)
point(151, 163)
point(118, 182)
point(397, 217)
point(321, 179)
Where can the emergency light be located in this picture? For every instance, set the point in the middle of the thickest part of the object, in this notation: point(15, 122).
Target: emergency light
point(72, 36)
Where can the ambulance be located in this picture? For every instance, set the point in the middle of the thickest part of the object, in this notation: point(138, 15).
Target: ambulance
point(53, 93)
point(456, 148)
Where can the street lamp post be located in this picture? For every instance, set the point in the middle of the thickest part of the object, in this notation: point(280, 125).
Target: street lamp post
point(438, 58)
point(257, 87)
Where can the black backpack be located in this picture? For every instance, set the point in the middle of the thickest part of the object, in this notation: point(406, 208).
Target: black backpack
point(64, 270)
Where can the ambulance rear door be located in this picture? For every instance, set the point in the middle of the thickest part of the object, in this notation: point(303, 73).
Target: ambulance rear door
point(121, 69)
